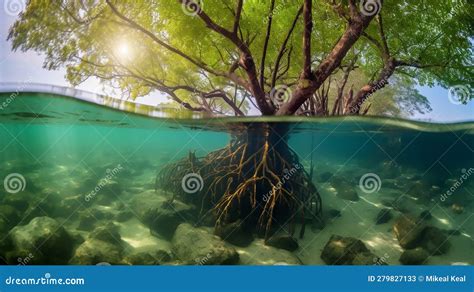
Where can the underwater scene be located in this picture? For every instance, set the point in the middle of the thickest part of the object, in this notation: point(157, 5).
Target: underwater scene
point(83, 184)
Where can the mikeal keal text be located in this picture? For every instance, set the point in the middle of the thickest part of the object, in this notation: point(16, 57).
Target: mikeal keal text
point(447, 278)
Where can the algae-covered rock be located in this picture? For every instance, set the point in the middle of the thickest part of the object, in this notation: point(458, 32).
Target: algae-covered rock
point(199, 246)
point(383, 216)
point(141, 259)
point(286, 242)
point(71, 205)
point(162, 217)
point(412, 232)
point(86, 222)
point(402, 204)
point(416, 256)
point(342, 250)
point(45, 238)
point(408, 230)
point(435, 241)
point(103, 245)
point(147, 258)
point(46, 204)
point(93, 252)
point(108, 233)
point(426, 215)
point(234, 233)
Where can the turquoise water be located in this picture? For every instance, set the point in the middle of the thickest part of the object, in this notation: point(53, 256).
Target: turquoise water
point(89, 174)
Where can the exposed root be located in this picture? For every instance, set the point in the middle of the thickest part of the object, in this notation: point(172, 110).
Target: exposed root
point(257, 178)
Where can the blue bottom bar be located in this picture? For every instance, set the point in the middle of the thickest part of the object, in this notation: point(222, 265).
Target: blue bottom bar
point(237, 278)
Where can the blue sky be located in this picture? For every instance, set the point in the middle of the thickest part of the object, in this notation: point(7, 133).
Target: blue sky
point(27, 67)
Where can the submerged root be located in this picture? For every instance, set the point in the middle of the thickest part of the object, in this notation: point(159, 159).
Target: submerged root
point(257, 178)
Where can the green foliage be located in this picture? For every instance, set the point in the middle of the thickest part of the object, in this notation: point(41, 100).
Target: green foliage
point(90, 40)
point(400, 99)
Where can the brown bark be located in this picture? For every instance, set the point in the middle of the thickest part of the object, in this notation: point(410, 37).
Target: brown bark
point(367, 90)
point(306, 89)
point(246, 60)
point(308, 29)
point(283, 48)
point(265, 46)
point(223, 95)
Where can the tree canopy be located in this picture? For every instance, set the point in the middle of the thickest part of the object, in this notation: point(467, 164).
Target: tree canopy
point(313, 57)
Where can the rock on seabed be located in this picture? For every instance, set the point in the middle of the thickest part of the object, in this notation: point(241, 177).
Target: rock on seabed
point(198, 246)
point(341, 250)
point(45, 239)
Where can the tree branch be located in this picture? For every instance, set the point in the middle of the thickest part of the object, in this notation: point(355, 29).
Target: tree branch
point(265, 46)
point(283, 47)
point(308, 29)
point(353, 108)
point(246, 59)
point(223, 95)
point(238, 13)
point(357, 24)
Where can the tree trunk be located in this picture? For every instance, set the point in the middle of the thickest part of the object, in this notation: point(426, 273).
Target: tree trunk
point(353, 108)
point(257, 179)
